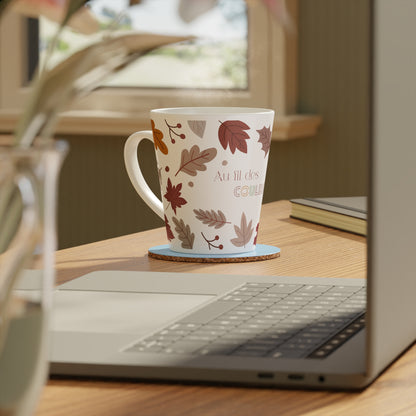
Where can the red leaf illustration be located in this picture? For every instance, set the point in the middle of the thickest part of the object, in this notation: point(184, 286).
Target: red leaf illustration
point(169, 232)
point(231, 133)
point(185, 235)
point(173, 195)
point(265, 137)
point(243, 232)
point(158, 139)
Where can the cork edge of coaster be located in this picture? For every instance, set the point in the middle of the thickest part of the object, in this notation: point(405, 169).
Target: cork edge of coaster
point(213, 259)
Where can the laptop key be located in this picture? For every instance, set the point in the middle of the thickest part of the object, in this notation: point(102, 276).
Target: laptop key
point(209, 312)
point(283, 288)
point(315, 289)
point(236, 298)
point(216, 349)
point(278, 338)
point(258, 284)
point(289, 354)
point(185, 327)
point(237, 316)
point(247, 352)
point(141, 348)
point(344, 289)
point(185, 347)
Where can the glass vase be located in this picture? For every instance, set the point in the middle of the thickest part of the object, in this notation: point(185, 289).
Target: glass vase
point(28, 195)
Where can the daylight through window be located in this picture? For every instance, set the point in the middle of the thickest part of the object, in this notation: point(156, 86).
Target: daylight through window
point(216, 59)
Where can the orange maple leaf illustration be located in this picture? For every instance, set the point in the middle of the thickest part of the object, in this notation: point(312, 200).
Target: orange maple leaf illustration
point(158, 139)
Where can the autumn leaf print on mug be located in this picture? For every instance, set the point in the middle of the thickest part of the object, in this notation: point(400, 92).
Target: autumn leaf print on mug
point(212, 165)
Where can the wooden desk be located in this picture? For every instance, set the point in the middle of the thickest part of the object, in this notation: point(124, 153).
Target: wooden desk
point(306, 250)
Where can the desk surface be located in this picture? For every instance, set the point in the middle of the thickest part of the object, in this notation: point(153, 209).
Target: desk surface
point(306, 250)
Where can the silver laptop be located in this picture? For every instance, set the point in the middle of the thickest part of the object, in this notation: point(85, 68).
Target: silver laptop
point(264, 330)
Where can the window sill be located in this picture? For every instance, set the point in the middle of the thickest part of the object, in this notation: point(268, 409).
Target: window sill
point(119, 124)
point(295, 126)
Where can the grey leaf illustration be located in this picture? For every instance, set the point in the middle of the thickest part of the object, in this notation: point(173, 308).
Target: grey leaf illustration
point(243, 232)
point(211, 218)
point(198, 127)
point(194, 160)
point(184, 233)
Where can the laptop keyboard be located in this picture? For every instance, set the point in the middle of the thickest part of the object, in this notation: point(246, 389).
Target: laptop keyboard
point(266, 320)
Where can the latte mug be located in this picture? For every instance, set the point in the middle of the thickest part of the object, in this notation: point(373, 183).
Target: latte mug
point(212, 165)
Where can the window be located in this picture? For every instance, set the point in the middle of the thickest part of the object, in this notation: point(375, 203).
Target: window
point(216, 59)
point(268, 80)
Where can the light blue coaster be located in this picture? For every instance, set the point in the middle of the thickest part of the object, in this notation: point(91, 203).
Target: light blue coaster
point(262, 252)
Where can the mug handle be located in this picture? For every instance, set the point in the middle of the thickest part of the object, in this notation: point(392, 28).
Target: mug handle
point(135, 174)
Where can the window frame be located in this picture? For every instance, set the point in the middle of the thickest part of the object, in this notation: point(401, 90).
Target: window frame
point(272, 70)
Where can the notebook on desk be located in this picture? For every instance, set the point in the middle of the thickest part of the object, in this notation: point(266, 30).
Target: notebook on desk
point(264, 330)
point(343, 213)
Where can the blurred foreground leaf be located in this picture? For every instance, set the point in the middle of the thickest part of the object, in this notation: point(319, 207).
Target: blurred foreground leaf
point(78, 75)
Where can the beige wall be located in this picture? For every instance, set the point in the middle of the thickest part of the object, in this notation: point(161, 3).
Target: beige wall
point(97, 200)
point(333, 82)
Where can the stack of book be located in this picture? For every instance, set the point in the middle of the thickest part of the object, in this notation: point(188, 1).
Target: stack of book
point(344, 213)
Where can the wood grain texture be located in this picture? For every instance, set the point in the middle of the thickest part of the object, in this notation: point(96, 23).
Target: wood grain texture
point(307, 249)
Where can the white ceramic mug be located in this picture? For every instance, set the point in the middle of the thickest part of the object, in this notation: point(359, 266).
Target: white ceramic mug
point(212, 167)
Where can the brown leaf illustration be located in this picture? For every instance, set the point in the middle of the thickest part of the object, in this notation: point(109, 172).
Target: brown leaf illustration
point(211, 218)
point(185, 235)
point(173, 195)
point(265, 137)
point(244, 232)
point(198, 127)
point(257, 234)
point(194, 160)
point(169, 232)
point(158, 139)
point(231, 133)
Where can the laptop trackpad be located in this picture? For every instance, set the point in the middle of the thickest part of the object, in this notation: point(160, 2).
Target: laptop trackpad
point(119, 312)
